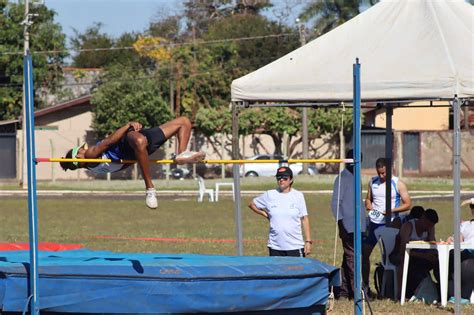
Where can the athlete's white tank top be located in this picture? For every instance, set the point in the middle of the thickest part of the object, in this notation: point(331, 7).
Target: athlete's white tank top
point(377, 214)
point(414, 236)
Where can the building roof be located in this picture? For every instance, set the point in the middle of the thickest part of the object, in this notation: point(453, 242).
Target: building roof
point(80, 101)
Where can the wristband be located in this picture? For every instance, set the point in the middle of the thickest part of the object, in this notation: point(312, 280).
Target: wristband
point(311, 242)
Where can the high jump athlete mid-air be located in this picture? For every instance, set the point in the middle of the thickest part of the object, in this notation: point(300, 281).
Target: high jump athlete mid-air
point(133, 142)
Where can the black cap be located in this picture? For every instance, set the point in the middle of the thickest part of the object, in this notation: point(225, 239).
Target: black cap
point(284, 171)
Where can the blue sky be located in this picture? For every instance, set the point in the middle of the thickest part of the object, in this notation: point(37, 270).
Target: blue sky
point(119, 16)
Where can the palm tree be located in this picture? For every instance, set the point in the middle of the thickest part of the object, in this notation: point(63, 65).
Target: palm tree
point(328, 14)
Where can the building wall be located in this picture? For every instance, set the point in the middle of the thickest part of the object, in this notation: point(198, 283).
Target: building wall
point(413, 118)
point(250, 146)
point(54, 139)
point(437, 153)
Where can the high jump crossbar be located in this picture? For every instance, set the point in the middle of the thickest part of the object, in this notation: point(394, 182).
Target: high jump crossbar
point(53, 160)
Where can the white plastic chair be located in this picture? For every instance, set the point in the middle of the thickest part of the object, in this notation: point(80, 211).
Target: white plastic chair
point(219, 184)
point(203, 190)
point(386, 237)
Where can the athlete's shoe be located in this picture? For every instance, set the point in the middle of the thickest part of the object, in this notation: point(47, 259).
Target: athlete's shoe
point(190, 157)
point(151, 200)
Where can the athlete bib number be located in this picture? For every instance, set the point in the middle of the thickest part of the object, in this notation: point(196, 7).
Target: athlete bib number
point(376, 216)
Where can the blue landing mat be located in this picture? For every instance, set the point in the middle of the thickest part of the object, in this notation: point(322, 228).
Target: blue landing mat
point(84, 281)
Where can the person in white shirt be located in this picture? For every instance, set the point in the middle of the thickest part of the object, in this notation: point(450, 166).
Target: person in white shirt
point(342, 206)
point(467, 258)
point(375, 204)
point(285, 208)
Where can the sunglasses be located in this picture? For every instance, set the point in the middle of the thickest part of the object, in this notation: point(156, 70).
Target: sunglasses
point(282, 177)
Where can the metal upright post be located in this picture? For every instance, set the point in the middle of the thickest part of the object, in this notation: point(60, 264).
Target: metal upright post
point(456, 202)
point(32, 210)
point(304, 114)
point(388, 157)
point(26, 47)
point(28, 161)
point(236, 175)
point(357, 190)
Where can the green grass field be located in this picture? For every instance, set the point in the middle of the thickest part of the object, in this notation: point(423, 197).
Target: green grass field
point(83, 220)
point(304, 182)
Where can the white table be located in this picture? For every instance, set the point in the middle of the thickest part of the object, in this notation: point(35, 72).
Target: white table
point(443, 258)
point(224, 184)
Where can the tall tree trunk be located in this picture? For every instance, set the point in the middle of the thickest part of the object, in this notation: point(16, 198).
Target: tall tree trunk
point(179, 68)
point(278, 141)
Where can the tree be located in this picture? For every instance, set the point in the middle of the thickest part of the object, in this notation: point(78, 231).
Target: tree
point(328, 14)
point(96, 49)
point(125, 56)
point(201, 74)
point(257, 52)
point(168, 28)
point(275, 122)
point(200, 14)
point(45, 35)
point(127, 96)
point(94, 41)
point(251, 55)
point(324, 123)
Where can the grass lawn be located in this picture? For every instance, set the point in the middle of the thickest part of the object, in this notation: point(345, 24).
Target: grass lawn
point(304, 182)
point(197, 225)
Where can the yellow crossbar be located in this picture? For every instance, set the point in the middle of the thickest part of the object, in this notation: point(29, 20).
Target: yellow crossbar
point(201, 162)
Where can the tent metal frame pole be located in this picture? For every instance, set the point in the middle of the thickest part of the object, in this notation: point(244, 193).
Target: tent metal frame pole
point(304, 112)
point(236, 175)
point(456, 202)
point(394, 103)
point(32, 207)
point(357, 191)
point(389, 159)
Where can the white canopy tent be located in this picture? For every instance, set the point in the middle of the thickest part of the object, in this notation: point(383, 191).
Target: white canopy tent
point(417, 49)
point(409, 50)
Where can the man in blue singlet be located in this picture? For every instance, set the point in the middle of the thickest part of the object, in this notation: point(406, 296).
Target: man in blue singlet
point(375, 204)
point(132, 142)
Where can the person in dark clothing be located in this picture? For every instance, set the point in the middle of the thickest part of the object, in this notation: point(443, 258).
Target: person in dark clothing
point(342, 205)
point(421, 262)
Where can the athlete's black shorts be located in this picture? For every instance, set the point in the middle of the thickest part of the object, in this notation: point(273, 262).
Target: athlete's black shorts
point(154, 136)
point(290, 253)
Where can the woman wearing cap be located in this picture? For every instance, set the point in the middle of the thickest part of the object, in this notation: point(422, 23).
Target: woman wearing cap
point(467, 258)
point(285, 208)
point(132, 142)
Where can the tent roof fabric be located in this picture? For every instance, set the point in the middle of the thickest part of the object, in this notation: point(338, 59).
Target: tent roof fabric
point(411, 49)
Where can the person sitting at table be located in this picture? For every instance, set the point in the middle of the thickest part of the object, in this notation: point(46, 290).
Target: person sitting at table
point(421, 261)
point(415, 213)
point(467, 259)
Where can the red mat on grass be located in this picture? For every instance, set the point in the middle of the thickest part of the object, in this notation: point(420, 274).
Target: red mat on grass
point(46, 246)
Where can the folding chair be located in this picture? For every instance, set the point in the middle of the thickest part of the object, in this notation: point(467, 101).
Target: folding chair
point(386, 239)
point(203, 190)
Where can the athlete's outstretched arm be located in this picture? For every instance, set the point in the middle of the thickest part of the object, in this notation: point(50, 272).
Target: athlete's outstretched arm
point(96, 151)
